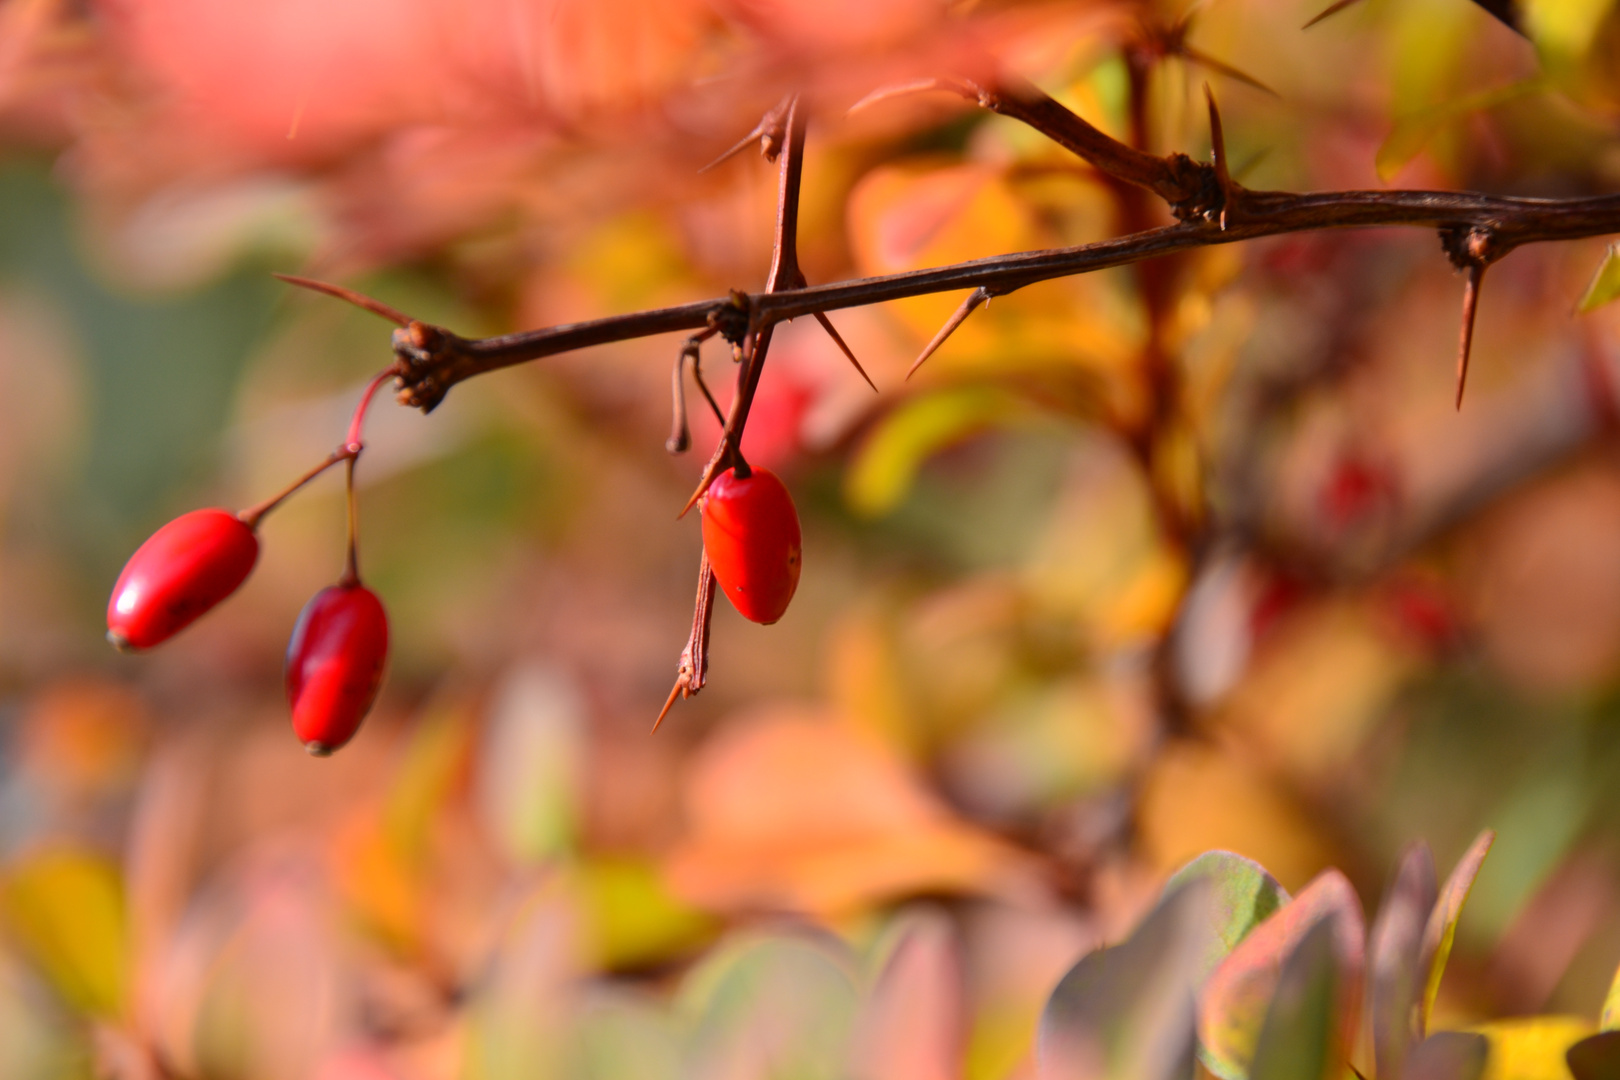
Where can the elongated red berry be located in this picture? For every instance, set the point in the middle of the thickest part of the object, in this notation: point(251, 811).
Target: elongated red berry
point(751, 535)
point(182, 570)
point(335, 665)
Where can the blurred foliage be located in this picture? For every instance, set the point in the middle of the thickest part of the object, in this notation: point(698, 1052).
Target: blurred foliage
point(1154, 596)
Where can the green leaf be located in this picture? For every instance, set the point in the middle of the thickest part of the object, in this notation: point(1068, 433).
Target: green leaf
point(65, 910)
point(912, 1019)
point(532, 763)
point(1441, 930)
point(1394, 952)
point(1299, 1039)
point(1605, 283)
point(1448, 1055)
point(1596, 1057)
point(778, 1006)
point(1242, 896)
point(887, 463)
point(1127, 1012)
point(620, 1036)
point(1236, 997)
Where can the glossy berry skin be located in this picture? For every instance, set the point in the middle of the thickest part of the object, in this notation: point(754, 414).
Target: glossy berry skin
point(182, 570)
point(335, 665)
point(751, 535)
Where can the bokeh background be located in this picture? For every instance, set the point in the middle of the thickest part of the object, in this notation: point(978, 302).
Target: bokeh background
point(1037, 659)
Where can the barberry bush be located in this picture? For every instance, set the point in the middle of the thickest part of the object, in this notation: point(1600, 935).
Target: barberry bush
point(1135, 458)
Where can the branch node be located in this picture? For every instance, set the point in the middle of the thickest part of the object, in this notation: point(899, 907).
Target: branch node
point(770, 132)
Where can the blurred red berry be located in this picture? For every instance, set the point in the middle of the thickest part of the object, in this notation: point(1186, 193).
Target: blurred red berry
point(182, 570)
point(1355, 490)
point(335, 665)
point(751, 534)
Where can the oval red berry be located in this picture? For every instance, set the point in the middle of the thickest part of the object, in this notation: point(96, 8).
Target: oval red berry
point(182, 570)
point(335, 665)
point(751, 534)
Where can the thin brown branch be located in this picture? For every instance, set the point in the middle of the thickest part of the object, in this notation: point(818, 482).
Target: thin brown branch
point(784, 274)
point(1203, 197)
point(1174, 179)
point(436, 359)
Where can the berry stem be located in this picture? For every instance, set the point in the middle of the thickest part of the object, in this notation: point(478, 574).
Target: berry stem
point(351, 560)
point(254, 514)
point(350, 450)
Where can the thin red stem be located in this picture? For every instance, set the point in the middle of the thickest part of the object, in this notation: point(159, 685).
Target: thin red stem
point(351, 561)
point(352, 445)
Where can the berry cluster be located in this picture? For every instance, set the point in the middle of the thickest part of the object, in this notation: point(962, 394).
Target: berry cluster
point(340, 643)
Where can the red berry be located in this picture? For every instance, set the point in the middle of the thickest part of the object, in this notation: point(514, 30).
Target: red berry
point(335, 664)
point(182, 570)
point(751, 534)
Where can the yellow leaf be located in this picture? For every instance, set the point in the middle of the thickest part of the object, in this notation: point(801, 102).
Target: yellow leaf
point(1563, 30)
point(887, 463)
point(1611, 1006)
point(65, 909)
point(633, 918)
point(1605, 283)
point(1532, 1048)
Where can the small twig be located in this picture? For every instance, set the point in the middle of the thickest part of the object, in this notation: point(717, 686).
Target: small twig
point(784, 274)
point(974, 299)
point(360, 300)
point(680, 439)
point(694, 664)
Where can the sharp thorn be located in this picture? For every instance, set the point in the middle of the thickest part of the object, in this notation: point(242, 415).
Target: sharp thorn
point(886, 93)
point(974, 299)
point(1331, 9)
point(1220, 67)
point(1217, 139)
point(826, 324)
point(742, 144)
point(360, 300)
point(669, 702)
point(703, 486)
point(1476, 274)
